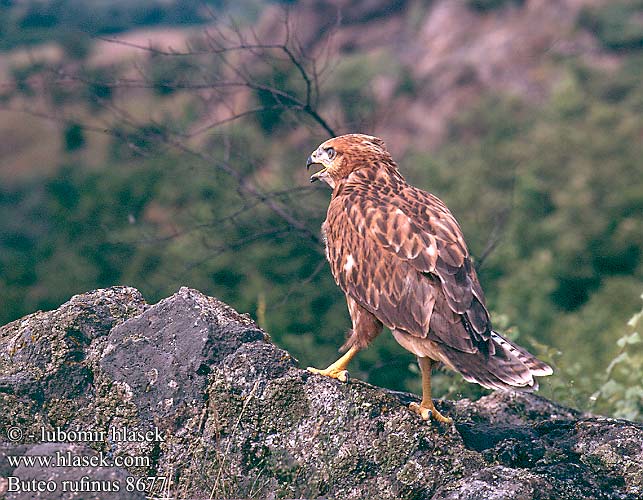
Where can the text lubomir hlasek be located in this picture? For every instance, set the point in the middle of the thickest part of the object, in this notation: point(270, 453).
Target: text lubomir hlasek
point(114, 434)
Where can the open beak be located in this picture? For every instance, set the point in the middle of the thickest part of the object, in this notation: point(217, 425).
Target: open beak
point(317, 175)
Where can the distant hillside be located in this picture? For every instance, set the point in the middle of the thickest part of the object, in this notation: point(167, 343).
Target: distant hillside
point(397, 55)
point(427, 61)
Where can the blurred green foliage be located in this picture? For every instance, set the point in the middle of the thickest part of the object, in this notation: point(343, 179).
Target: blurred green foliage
point(74, 137)
point(485, 5)
point(70, 22)
point(617, 23)
point(622, 391)
point(557, 190)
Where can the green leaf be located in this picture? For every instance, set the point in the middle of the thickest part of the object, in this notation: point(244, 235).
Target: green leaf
point(635, 319)
point(633, 338)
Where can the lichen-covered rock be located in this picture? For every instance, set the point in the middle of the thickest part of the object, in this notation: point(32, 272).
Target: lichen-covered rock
point(189, 398)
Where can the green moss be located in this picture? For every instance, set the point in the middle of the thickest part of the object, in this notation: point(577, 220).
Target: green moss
point(286, 392)
point(60, 411)
point(21, 413)
point(393, 449)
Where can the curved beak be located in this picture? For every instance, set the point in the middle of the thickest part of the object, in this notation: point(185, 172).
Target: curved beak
point(317, 175)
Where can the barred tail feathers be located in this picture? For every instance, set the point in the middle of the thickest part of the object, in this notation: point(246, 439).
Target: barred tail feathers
point(508, 366)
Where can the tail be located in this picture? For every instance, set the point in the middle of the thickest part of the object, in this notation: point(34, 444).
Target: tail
point(505, 366)
point(537, 367)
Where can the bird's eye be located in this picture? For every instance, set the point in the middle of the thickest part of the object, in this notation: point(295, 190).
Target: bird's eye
point(330, 152)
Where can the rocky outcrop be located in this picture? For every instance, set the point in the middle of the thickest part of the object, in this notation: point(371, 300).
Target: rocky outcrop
point(122, 394)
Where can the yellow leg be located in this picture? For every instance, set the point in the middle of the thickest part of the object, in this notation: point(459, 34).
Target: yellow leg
point(338, 368)
point(426, 409)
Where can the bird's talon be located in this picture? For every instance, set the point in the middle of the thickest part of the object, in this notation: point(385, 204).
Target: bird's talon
point(341, 375)
point(428, 413)
point(424, 413)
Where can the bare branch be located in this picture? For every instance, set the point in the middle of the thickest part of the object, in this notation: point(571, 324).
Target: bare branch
point(494, 238)
point(233, 66)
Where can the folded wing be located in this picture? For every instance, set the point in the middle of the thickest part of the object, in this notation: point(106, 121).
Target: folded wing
point(400, 254)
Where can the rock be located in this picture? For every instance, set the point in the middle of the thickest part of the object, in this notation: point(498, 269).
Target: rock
point(191, 399)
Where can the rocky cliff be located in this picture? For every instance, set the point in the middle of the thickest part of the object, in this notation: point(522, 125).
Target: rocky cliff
point(109, 397)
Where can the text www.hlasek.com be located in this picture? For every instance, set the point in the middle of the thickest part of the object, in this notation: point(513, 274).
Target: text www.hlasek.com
point(67, 459)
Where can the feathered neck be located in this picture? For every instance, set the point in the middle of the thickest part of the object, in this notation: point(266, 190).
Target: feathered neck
point(373, 175)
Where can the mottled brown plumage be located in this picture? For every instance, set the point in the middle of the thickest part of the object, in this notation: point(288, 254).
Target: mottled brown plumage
point(399, 255)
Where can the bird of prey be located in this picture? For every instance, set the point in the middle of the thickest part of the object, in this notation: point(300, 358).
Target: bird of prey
point(399, 255)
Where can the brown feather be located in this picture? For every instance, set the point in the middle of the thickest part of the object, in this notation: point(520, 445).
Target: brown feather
point(399, 255)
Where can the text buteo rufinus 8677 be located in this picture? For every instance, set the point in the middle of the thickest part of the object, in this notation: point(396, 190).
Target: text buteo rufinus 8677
point(399, 255)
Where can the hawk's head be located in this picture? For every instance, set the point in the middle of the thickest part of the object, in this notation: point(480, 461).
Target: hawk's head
point(340, 156)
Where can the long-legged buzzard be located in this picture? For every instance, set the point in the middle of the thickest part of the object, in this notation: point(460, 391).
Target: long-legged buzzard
point(399, 256)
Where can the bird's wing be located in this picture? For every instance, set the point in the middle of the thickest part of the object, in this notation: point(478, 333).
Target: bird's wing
point(406, 247)
point(376, 278)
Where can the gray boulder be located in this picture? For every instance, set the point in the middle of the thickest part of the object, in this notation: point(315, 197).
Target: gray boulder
point(190, 399)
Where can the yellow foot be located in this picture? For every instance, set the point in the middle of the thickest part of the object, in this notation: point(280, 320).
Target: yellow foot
point(332, 372)
point(429, 412)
